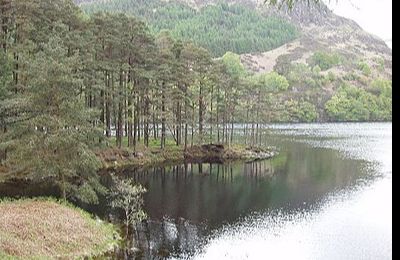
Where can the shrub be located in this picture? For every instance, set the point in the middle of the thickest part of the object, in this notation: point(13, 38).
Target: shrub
point(364, 67)
point(127, 196)
point(325, 60)
point(355, 104)
point(300, 111)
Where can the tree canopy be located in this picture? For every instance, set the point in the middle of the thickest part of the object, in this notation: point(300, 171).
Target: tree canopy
point(219, 28)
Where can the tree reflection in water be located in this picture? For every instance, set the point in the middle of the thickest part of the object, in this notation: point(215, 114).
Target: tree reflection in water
point(186, 202)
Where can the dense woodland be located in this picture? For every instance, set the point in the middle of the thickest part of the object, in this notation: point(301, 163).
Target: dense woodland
point(70, 82)
point(218, 28)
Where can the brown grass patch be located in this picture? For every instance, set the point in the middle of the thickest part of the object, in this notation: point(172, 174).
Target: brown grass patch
point(47, 229)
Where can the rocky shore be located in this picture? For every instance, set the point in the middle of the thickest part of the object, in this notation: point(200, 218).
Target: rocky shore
point(211, 153)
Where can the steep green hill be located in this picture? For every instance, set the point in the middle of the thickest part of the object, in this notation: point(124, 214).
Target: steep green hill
point(220, 27)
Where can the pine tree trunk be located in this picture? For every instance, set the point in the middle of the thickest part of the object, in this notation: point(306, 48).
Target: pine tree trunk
point(163, 120)
point(154, 124)
point(193, 116)
point(258, 125)
point(201, 114)
point(139, 116)
point(120, 131)
point(146, 118)
point(211, 115)
point(246, 124)
point(232, 127)
point(178, 123)
point(130, 119)
point(186, 118)
point(108, 106)
point(127, 223)
point(63, 188)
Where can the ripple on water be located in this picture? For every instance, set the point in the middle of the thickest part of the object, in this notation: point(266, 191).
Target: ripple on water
point(351, 224)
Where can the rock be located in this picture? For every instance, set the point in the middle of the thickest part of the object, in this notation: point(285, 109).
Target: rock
point(111, 158)
point(138, 155)
point(125, 153)
point(135, 250)
point(216, 148)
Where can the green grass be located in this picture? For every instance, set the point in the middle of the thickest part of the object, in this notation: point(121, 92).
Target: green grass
point(45, 228)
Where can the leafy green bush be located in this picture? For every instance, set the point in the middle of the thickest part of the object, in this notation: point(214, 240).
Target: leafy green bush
point(298, 73)
point(316, 70)
point(381, 87)
point(355, 104)
point(331, 76)
point(364, 67)
point(301, 75)
point(299, 111)
point(128, 196)
point(305, 112)
point(233, 64)
point(325, 60)
point(272, 82)
point(351, 77)
point(381, 63)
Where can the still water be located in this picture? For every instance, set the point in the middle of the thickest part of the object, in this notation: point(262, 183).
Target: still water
point(328, 195)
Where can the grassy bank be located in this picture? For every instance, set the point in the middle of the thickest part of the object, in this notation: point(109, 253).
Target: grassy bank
point(44, 228)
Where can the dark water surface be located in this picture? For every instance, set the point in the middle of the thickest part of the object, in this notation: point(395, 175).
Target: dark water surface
point(326, 196)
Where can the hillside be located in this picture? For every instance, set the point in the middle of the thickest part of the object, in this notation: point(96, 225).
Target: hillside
point(323, 56)
point(323, 30)
point(364, 59)
point(220, 27)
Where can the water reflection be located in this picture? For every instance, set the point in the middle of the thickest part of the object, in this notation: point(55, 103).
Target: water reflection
point(351, 220)
point(168, 237)
point(188, 203)
point(206, 193)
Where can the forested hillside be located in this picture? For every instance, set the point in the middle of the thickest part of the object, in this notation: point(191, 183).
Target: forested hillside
point(325, 56)
point(219, 28)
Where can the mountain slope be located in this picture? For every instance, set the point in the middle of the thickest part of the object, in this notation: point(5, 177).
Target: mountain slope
point(320, 30)
point(219, 27)
point(331, 62)
point(365, 60)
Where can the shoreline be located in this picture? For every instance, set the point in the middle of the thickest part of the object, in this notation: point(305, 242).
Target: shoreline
point(115, 159)
point(124, 159)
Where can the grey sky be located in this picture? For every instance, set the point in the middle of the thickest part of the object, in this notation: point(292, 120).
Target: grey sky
point(374, 16)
